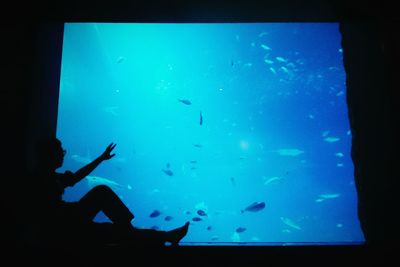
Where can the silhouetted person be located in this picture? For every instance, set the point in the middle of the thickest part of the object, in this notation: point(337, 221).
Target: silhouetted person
point(73, 221)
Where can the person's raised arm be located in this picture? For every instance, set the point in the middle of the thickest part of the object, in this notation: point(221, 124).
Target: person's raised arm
point(87, 169)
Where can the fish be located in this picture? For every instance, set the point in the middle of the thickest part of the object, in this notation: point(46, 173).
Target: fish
point(201, 119)
point(97, 180)
point(285, 70)
point(329, 196)
point(331, 139)
point(272, 70)
point(323, 197)
point(271, 180)
point(197, 219)
point(201, 213)
point(281, 59)
point(290, 223)
point(325, 133)
point(198, 145)
point(168, 165)
point(254, 207)
point(185, 101)
point(155, 214)
point(209, 228)
point(193, 161)
point(292, 152)
point(168, 218)
point(270, 62)
point(81, 159)
point(340, 93)
point(339, 154)
point(113, 110)
point(240, 229)
point(233, 181)
point(120, 60)
point(168, 172)
point(265, 47)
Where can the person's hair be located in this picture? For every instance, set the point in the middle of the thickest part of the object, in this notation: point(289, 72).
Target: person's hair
point(46, 148)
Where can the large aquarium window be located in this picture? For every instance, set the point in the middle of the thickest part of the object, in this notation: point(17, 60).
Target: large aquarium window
point(239, 128)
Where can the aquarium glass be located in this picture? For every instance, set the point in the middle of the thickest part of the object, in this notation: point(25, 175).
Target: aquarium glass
point(240, 128)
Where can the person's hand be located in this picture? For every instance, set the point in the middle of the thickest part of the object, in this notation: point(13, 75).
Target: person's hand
point(107, 153)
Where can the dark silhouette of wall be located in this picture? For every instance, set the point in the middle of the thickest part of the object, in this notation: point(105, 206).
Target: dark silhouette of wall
point(370, 58)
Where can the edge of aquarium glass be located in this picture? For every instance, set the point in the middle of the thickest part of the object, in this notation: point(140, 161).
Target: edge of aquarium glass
point(271, 244)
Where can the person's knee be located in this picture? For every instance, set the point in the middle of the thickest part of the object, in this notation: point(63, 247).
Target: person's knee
point(102, 189)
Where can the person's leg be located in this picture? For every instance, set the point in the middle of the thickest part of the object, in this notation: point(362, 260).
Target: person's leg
point(144, 237)
point(102, 198)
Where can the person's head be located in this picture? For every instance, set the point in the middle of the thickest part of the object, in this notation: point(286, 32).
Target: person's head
point(50, 153)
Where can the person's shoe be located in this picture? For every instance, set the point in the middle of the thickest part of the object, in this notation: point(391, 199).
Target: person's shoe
point(174, 236)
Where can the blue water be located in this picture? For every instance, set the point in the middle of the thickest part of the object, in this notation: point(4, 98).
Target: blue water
point(274, 129)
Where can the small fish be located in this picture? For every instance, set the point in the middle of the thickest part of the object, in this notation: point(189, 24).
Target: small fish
point(269, 62)
point(292, 152)
point(185, 101)
point(81, 159)
point(254, 207)
point(96, 180)
point(197, 219)
point(285, 70)
point(198, 145)
point(209, 228)
point(201, 119)
point(324, 197)
point(340, 93)
point(168, 172)
point(240, 229)
point(281, 59)
point(271, 180)
point(113, 110)
point(155, 213)
point(329, 196)
point(331, 139)
point(290, 223)
point(168, 165)
point(120, 60)
point(168, 218)
point(201, 213)
point(233, 181)
point(193, 161)
point(325, 133)
point(265, 47)
point(339, 154)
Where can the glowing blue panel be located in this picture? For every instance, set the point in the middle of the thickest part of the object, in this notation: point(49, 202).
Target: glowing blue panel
point(239, 128)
